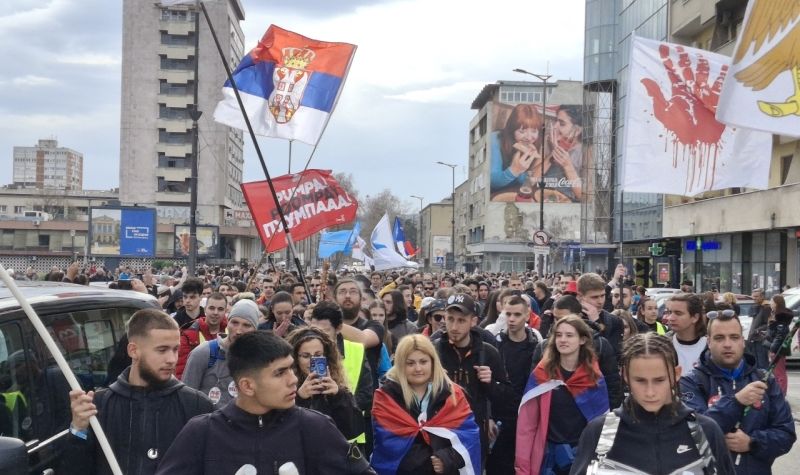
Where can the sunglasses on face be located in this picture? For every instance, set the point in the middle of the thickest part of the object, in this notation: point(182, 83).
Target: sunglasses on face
point(429, 288)
point(438, 317)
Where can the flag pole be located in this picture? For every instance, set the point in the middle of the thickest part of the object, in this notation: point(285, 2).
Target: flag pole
point(289, 239)
point(62, 365)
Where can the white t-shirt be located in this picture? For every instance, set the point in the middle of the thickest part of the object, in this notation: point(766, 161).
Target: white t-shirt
point(688, 355)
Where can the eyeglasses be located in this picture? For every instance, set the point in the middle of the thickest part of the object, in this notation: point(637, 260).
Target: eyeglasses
point(307, 356)
point(438, 317)
point(727, 313)
point(428, 288)
point(345, 292)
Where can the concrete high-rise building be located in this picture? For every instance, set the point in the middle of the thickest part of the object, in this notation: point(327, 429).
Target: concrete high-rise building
point(158, 86)
point(46, 165)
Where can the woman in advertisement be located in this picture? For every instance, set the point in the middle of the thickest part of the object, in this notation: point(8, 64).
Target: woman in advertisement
point(515, 147)
point(562, 168)
point(516, 158)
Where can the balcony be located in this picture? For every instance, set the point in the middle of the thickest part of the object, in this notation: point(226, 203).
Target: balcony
point(175, 76)
point(690, 17)
point(174, 174)
point(174, 150)
point(178, 101)
point(176, 27)
point(170, 197)
point(174, 125)
point(176, 51)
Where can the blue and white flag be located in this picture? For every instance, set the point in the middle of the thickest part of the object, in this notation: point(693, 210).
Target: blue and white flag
point(399, 237)
point(384, 249)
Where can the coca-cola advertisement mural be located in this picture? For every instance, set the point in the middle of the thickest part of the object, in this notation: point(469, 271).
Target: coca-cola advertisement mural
point(516, 153)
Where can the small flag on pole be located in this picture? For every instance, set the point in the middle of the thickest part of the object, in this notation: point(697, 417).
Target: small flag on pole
point(289, 85)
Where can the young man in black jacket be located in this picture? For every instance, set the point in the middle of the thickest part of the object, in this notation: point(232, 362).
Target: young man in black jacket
point(262, 431)
point(473, 364)
point(591, 295)
point(142, 412)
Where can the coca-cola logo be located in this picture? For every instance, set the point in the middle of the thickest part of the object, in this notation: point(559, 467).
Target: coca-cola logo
point(561, 183)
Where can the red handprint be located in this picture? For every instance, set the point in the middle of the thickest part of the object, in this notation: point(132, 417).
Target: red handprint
point(689, 114)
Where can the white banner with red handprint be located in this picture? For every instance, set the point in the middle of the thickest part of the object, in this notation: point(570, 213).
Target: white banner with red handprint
point(673, 142)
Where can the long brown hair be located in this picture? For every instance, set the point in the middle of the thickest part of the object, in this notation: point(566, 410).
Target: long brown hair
point(306, 334)
point(586, 356)
point(523, 116)
point(387, 337)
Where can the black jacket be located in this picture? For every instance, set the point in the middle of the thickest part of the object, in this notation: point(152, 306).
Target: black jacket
point(183, 318)
point(135, 421)
point(606, 359)
point(654, 443)
point(778, 329)
point(462, 372)
point(524, 359)
point(229, 438)
point(418, 458)
point(611, 328)
point(340, 407)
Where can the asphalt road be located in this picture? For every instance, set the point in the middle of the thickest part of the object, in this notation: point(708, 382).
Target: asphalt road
point(789, 463)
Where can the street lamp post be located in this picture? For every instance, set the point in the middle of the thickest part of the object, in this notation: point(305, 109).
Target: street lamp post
point(453, 219)
point(543, 78)
point(419, 223)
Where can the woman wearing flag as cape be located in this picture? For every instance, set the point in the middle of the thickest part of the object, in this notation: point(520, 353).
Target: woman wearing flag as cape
point(422, 421)
point(564, 392)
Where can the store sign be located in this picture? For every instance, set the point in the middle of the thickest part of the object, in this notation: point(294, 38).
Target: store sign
point(699, 244)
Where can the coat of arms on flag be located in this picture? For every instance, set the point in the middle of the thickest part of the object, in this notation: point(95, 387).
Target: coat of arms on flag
point(289, 85)
point(671, 133)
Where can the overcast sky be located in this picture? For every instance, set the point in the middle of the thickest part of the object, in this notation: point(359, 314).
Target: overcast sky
point(406, 103)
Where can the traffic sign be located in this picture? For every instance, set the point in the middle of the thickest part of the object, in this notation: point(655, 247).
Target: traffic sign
point(541, 250)
point(541, 238)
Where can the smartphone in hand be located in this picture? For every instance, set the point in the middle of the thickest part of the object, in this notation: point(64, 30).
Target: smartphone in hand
point(319, 365)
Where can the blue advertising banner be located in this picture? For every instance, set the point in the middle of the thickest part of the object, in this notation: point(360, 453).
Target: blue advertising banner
point(137, 236)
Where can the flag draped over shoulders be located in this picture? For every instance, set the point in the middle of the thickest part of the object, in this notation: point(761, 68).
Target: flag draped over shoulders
point(590, 396)
point(395, 431)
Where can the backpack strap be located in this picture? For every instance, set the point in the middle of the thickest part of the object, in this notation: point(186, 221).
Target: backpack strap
point(213, 353)
point(703, 447)
point(607, 435)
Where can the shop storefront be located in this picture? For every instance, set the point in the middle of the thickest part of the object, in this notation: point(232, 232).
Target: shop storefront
point(736, 263)
point(653, 263)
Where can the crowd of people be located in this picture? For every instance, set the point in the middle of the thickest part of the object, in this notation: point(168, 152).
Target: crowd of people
point(410, 372)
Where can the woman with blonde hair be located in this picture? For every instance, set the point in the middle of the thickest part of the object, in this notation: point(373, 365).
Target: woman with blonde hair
point(326, 393)
point(423, 423)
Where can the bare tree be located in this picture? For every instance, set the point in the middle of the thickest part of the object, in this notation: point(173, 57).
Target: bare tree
point(372, 208)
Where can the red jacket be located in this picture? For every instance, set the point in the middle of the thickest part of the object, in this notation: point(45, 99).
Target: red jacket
point(191, 337)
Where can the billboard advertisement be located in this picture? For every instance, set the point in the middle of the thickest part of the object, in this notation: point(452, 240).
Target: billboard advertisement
point(123, 232)
point(441, 247)
point(207, 241)
point(516, 153)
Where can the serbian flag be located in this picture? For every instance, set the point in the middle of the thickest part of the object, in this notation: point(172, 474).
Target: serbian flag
point(591, 397)
point(395, 431)
point(311, 201)
point(289, 85)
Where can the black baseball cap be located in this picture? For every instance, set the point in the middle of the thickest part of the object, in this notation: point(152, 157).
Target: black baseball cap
point(463, 303)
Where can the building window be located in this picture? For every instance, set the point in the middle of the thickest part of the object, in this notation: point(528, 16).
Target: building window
point(786, 164)
point(177, 64)
point(19, 209)
point(174, 138)
point(176, 89)
point(177, 40)
point(165, 112)
point(173, 186)
point(174, 162)
point(44, 240)
point(176, 15)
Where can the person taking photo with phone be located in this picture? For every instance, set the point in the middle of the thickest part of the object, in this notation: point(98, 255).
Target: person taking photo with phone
point(322, 381)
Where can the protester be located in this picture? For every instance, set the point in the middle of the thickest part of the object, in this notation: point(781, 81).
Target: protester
point(281, 319)
point(473, 364)
point(328, 393)
point(202, 329)
point(652, 432)
point(207, 368)
point(564, 392)
point(777, 331)
point(262, 431)
point(687, 323)
point(591, 294)
point(629, 326)
point(728, 388)
point(415, 410)
point(142, 411)
point(397, 316)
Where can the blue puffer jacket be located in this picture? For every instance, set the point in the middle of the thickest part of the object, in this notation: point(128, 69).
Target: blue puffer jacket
point(771, 427)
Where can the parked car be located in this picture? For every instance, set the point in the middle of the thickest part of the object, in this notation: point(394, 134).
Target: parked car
point(659, 291)
point(86, 323)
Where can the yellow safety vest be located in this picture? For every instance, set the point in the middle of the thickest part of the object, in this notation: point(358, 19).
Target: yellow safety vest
point(353, 361)
point(660, 329)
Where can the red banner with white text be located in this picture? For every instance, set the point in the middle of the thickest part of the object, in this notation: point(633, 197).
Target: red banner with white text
point(311, 201)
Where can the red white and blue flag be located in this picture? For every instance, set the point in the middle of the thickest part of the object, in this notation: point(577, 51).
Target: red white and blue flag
point(395, 431)
point(289, 85)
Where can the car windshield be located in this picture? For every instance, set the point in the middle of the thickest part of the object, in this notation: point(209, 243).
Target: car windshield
point(792, 300)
